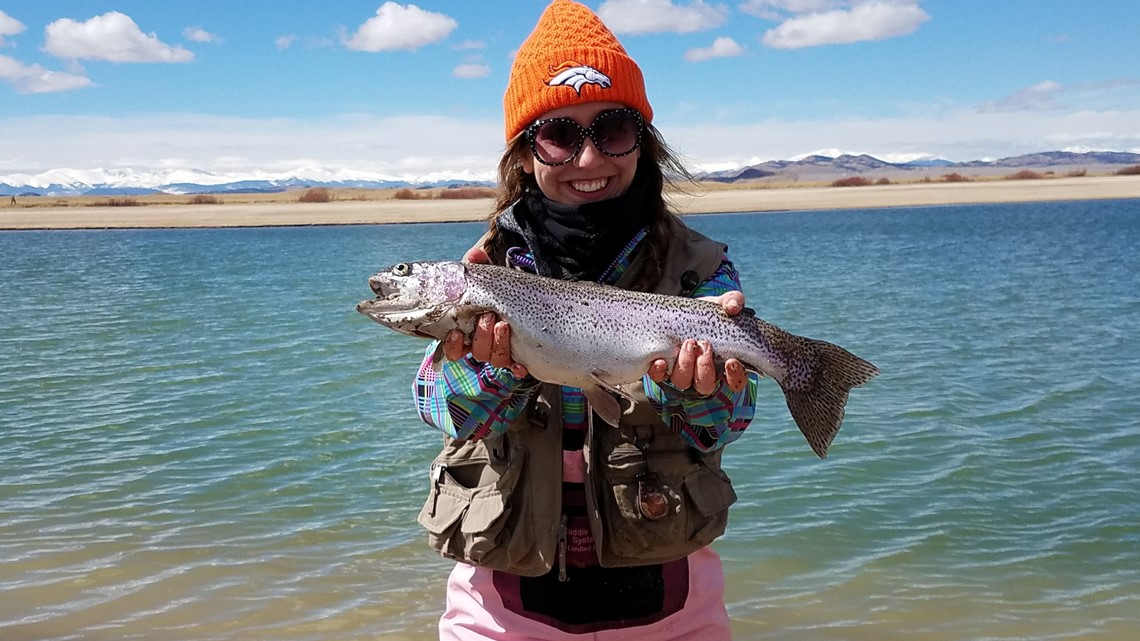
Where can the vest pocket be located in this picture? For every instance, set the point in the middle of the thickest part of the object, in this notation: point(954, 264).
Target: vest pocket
point(469, 509)
point(660, 506)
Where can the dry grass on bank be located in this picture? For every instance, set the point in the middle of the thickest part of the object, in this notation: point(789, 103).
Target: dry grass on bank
point(321, 195)
point(312, 195)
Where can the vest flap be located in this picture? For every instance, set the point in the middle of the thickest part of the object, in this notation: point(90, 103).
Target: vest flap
point(484, 511)
point(441, 511)
point(712, 493)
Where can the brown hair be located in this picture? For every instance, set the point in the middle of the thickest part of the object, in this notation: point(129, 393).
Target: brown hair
point(657, 164)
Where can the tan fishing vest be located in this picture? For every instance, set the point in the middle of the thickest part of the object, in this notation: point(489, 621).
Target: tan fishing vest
point(650, 498)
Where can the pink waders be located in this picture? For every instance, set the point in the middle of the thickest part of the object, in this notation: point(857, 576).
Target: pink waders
point(475, 612)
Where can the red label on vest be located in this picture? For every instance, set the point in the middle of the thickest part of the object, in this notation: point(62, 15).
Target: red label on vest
point(579, 543)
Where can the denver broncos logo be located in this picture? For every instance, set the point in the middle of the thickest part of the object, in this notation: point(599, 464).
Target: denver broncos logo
point(574, 75)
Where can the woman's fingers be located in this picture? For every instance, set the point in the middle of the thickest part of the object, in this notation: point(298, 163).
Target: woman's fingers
point(732, 302)
point(696, 368)
point(683, 369)
point(735, 375)
point(453, 345)
point(704, 374)
point(501, 345)
point(483, 340)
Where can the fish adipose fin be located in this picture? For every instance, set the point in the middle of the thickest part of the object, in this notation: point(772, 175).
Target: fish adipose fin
point(817, 402)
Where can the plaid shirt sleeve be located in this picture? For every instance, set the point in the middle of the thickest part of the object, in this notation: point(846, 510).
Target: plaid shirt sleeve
point(713, 421)
point(468, 399)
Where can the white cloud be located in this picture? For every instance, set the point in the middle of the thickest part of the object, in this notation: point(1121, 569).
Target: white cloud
point(720, 48)
point(112, 36)
point(471, 70)
point(400, 27)
point(9, 26)
point(656, 16)
point(198, 34)
point(36, 79)
point(286, 41)
point(870, 20)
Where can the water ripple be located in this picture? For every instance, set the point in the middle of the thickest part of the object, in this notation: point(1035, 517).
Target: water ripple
point(212, 444)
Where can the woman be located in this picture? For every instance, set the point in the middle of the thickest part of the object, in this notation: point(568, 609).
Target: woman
point(564, 526)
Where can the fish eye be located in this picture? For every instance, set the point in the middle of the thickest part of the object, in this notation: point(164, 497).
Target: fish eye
point(402, 269)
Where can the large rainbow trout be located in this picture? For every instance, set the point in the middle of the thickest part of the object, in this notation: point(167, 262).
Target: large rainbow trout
point(598, 338)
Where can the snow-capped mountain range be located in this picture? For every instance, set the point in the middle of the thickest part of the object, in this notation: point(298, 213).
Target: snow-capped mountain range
point(127, 181)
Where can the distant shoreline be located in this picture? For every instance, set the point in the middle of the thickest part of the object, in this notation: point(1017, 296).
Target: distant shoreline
point(701, 200)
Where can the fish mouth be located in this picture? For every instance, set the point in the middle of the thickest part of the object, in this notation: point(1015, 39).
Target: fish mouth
point(382, 306)
point(387, 298)
point(398, 315)
point(382, 288)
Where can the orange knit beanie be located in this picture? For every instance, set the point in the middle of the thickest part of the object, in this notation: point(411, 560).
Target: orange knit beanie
point(570, 58)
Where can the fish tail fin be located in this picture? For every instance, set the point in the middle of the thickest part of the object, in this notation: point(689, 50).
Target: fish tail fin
point(817, 399)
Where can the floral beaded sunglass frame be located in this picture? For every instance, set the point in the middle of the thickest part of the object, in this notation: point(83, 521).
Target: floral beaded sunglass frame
point(557, 141)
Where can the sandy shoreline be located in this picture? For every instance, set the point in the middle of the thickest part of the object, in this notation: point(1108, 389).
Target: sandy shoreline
point(428, 211)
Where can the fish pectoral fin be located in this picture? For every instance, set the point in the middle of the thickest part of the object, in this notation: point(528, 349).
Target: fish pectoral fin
point(437, 357)
point(597, 377)
point(602, 402)
point(602, 399)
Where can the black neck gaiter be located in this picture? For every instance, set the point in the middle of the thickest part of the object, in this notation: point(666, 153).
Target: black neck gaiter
point(577, 242)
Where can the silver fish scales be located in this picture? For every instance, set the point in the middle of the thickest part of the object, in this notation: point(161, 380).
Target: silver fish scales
point(598, 338)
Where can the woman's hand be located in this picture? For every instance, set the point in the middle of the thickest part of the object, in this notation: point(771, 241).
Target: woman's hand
point(695, 366)
point(491, 341)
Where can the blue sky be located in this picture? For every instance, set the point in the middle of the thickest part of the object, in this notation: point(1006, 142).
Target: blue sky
point(254, 87)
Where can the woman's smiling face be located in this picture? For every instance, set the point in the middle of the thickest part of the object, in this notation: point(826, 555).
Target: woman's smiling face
point(590, 176)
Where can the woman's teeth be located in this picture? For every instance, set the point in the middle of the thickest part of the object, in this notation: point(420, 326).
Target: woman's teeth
point(589, 185)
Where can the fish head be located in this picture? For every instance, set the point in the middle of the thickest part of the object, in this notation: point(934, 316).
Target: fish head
point(417, 299)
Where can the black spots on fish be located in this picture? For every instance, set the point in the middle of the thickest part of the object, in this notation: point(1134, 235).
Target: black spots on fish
point(817, 388)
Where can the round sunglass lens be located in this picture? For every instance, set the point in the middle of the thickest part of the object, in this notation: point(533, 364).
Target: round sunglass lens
point(616, 133)
point(557, 140)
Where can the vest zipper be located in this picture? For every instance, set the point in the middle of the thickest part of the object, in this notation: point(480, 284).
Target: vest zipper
point(562, 576)
point(437, 480)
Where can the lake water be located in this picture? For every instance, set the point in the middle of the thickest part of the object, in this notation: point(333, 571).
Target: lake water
point(200, 439)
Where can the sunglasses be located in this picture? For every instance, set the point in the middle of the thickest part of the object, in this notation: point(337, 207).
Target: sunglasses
point(556, 141)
